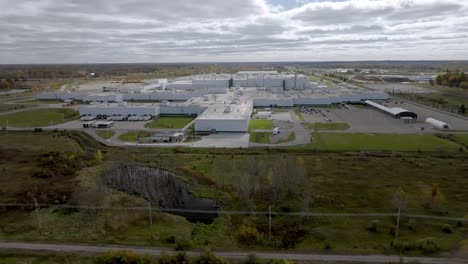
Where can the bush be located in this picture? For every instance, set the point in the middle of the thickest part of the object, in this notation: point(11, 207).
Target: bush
point(328, 245)
point(252, 259)
point(210, 258)
point(411, 224)
point(37, 130)
point(372, 226)
point(446, 228)
point(280, 261)
point(248, 235)
point(182, 245)
point(124, 257)
point(170, 239)
point(180, 258)
point(426, 245)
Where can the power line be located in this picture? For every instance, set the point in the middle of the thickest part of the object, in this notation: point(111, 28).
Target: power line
point(222, 212)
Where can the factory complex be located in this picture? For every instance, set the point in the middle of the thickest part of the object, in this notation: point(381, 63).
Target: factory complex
point(220, 102)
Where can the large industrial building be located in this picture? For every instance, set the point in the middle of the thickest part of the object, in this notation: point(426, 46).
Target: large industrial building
point(221, 102)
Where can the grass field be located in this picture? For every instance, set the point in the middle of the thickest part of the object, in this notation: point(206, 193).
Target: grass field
point(175, 122)
point(288, 179)
point(327, 126)
point(13, 107)
point(299, 115)
point(379, 142)
point(291, 137)
point(38, 117)
point(132, 136)
point(260, 137)
point(462, 139)
point(105, 134)
point(260, 124)
point(10, 257)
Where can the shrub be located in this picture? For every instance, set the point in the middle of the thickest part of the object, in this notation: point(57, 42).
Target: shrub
point(210, 258)
point(328, 245)
point(252, 259)
point(124, 257)
point(248, 235)
point(280, 261)
point(182, 245)
point(426, 245)
point(411, 224)
point(372, 226)
point(180, 258)
point(446, 228)
point(170, 239)
point(37, 130)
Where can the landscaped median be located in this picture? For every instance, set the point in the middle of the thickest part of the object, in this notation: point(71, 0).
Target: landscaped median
point(38, 118)
point(105, 134)
point(260, 124)
point(269, 138)
point(380, 142)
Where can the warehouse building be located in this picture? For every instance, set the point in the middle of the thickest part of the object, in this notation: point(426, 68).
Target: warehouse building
point(115, 110)
point(396, 112)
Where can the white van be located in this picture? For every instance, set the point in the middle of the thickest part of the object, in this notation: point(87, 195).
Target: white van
point(276, 131)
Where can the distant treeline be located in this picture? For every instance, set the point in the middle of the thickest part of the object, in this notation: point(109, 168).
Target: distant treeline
point(453, 79)
point(65, 71)
point(6, 84)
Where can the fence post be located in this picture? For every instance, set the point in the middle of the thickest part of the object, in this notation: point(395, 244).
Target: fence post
point(269, 223)
point(398, 224)
point(37, 216)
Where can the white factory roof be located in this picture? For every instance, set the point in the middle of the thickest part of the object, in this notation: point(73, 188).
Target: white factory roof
point(127, 105)
point(391, 110)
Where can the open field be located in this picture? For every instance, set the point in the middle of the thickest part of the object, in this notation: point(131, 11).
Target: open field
point(327, 126)
point(105, 134)
point(11, 257)
point(299, 115)
point(290, 180)
point(380, 142)
point(13, 107)
point(38, 117)
point(260, 124)
point(170, 122)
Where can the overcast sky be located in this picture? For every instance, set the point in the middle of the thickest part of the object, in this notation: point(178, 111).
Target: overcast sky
point(106, 31)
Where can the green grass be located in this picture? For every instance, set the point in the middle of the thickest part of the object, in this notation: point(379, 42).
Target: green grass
point(462, 139)
point(13, 107)
point(327, 126)
point(132, 136)
point(291, 137)
point(21, 257)
point(170, 122)
point(334, 182)
point(38, 117)
point(260, 124)
point(260, 137)
point(105, 134)
point(299, 115)
point(380, 142)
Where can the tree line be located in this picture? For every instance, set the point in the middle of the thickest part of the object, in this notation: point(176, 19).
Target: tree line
point(7, 84)
point(453, 79)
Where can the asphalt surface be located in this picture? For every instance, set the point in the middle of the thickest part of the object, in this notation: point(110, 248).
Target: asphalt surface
point(80, 248)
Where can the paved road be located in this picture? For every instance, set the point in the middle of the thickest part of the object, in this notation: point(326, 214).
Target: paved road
point(75, 248)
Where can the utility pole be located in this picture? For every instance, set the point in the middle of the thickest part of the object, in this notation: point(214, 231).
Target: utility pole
point(269, 223)
point(37, 215)
point(150, 219)
point(398, 224)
